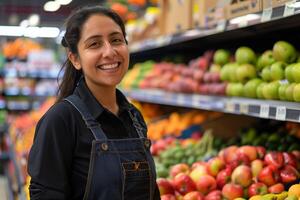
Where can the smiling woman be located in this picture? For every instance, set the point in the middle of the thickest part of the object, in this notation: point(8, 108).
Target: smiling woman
point(92, 144)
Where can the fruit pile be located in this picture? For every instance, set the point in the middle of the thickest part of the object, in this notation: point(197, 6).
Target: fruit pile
point(236, 172)
point(275, 74)
point(174, 124)
point(187, 151)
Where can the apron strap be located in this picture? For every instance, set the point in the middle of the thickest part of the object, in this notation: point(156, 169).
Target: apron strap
point(139, 129)
point(90, 122)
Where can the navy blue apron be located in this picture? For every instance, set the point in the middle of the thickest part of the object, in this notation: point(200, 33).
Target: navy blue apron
point(119, 169)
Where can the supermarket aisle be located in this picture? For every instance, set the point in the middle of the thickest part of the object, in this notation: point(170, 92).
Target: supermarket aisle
point(3, 188)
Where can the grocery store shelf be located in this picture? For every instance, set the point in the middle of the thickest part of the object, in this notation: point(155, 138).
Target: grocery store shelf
point(271, 109)
point(195, 40)
point(44, 74)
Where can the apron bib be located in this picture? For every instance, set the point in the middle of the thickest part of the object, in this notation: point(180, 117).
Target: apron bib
point(119, 169)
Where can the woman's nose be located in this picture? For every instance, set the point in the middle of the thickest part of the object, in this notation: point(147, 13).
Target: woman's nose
point(108, 50)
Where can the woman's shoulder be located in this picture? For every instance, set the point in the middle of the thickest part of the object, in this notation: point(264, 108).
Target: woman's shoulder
point(59, 112)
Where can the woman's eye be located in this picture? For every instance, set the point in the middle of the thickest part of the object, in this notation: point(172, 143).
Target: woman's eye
point(117, 40)
point(94, 44)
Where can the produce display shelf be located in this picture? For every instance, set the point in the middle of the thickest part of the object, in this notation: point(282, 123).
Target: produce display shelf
point(270, 109)
point(12, 92)
point(278, 19)
point(44, 74)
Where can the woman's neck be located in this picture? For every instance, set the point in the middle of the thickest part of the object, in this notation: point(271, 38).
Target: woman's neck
point(106, 96)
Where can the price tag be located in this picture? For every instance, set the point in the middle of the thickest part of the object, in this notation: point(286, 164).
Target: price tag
point(230, 107)
point(266, 15)
point(264, 111)
point(180, 99)
point(281, 113)
point(196, 101)
point(244, 108)
point(289, 9)
point(221, 25)
point(243, 23)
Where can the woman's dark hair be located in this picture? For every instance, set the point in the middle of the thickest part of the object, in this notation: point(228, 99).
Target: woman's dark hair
point(70, 40)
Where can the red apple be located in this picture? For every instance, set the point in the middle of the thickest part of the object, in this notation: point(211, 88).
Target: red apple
point(290, 159)
point(261, 152)
point(275, 159)
point(223, 177)
point(256, 166)
point(241, 159)
point(215, 165)
point(242, 175)
point(257, 189)
point(179, 168)
point(231, 191)
point(276, 189)
point(206, 183)
point(296, 153)
point(230, 154)
point(194, 195)
point(197, 172)
point(289, 174)
point(249, 151)
point(164, 186)
point(198, 163)
point(269, 175)
point(183, 183)
point(168, 197)
point(214, 195)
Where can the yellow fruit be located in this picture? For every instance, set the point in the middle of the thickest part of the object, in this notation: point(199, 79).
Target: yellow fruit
point(291, 197)
point(256, 197)
point(294, 190)
point(269, 197)
point(282, 195)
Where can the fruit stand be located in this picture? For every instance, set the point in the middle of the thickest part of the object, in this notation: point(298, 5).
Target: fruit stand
point(245, 72)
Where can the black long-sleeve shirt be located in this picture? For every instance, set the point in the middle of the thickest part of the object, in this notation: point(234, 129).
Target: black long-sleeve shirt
point(59, 158)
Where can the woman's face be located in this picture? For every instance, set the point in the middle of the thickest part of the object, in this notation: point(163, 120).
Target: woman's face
point(102, 52)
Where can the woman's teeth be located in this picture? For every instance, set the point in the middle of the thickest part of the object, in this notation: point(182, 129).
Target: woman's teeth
point(109, 66)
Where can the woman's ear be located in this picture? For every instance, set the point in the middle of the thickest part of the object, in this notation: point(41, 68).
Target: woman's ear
point(74, 60)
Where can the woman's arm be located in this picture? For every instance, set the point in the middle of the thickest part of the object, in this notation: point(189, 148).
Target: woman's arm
point(50, 158)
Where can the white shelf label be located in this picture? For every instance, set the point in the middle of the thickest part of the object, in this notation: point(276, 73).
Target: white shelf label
point(243, 23)
point(266, 15)
point(244, 108)
point(221, 25)
point(196, 101)
point(264, 111)
point(180, 99)
point(280, 113)
point(230, 107)
point(289, 9)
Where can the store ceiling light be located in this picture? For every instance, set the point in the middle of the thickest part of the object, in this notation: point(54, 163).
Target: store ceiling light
point(63, 2)
point(51, 6)
point(24, 23)
point(15, 31)
point(32, 32)
point(34, 20)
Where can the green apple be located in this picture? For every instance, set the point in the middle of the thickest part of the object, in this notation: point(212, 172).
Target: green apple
point(284, 51)
point(221, 57)
point(281, 91)
point(215, 68)
point(265, 60)
point(259, 90)
point(251, 86)
point(277, 71)
point(296, 72)
point(245, 72)
point(225, 72)
point(288, 72)
point(245, 55)
point(266, 74)
point(270, 91)
point(229, 89)
point(237, 89)
point(289, 92)
point(232, 72)
point(296, 92)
